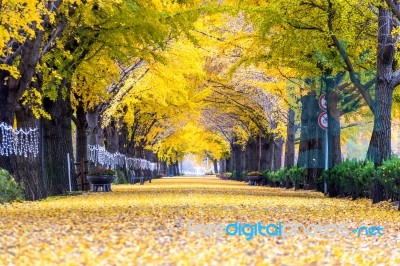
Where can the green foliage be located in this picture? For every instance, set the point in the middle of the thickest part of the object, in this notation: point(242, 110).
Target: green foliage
point(389, 177)
point(278, 177)
point(9, 189)
point(238, 176)
point(351, 178)
point(296, 175)
point(355, 178)
point(121, 178)
point(101, 171)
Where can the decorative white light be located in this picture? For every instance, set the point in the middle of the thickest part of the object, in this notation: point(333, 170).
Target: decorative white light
point(99, 155)
point(18, 142)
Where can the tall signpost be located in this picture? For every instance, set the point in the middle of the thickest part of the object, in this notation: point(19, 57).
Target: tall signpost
point(323, 123)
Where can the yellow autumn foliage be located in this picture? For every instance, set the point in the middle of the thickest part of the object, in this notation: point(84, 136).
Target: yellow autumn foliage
point(148, 225)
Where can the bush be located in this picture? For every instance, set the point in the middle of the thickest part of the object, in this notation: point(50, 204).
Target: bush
point(9, 189)
point(266, 178)
point(388, 175)
point(349, 179)
point(276, 178)
point(121, 178)
point(296, 176)
point(238, 176)
point(279, 177)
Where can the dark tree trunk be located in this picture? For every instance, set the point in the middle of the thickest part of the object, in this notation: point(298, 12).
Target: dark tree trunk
point(9, 97)
point(290, 139)
point(58, 142)
point(332, 97)
point(311, 153)
point(27, 170)
point(334, 148)
point(81, 137)
point(8, 102)
point(11, 89)
point(96, 136)
point(215, 166)
point(380, 145)
point(222, 165)
point(252, 155)
point(228, 165)
point(139, 151)
point(112, 137)
point(289, 146)
point(267, 153)
point(164, 168)
point(277, 156)
point(237, 161)
point(123, 140)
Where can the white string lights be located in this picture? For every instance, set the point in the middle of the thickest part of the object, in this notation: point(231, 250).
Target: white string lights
point(99, 155)
point(18, 142)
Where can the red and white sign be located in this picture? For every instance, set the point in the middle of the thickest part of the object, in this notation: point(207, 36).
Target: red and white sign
point(323, 120)
point(322, 102)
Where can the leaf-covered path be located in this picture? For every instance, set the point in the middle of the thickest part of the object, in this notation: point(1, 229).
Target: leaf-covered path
point(145, 225)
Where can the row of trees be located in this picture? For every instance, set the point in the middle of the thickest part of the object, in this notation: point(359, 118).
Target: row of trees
point(74, 66)
point(346, 49)
point(231, 80)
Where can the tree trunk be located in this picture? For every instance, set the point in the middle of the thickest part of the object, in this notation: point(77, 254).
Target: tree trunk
point(332, 98)
point(96, 136)
point(81, 137)
point(334, 148)
point(290, 140)
point(267, 153)
point(380, 145)
point(58, 142)
point(222, 165)
point(177, 172)
point(311, 154)
point(27, 170)
point(112, 137)
point(139, 152)
point(215, 162)
point(252, 155)
point(11, 89)
point(237, 159)
point(289, 145)
point(277, 156)
point(123, 140)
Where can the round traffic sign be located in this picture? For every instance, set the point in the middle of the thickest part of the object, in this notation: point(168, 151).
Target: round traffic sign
point(322, 102)
point(323, 120)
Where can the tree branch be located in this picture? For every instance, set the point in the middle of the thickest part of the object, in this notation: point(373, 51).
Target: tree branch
point(395, 79)
point(394, 7)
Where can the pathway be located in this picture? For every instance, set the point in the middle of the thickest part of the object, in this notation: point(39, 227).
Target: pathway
point(145, 225)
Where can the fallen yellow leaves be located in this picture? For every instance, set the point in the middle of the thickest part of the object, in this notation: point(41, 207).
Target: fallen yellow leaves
point(147, 225)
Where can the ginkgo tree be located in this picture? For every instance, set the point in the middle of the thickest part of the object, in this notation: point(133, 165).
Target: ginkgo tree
point(246, 106)
point(56, 42)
